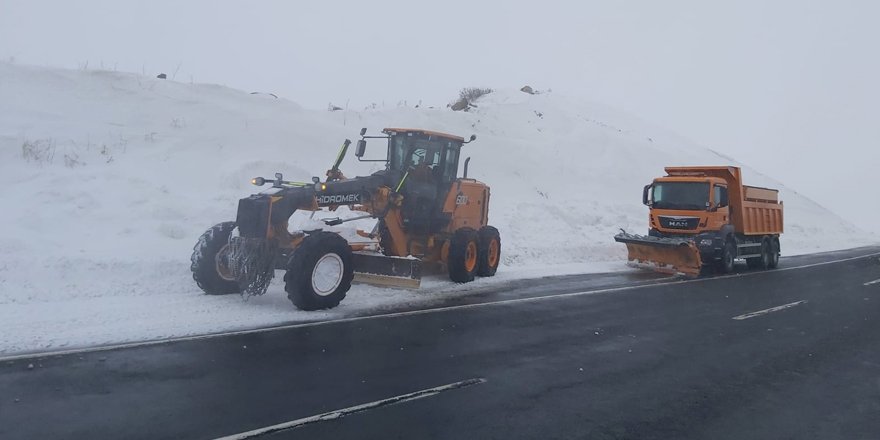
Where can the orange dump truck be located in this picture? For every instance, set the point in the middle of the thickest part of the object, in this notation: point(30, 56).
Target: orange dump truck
point(703, 218)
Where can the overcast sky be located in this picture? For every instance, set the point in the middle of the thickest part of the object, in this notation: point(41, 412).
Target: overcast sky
point(789, 87)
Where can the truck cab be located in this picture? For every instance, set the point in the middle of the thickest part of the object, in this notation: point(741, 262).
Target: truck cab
point(687, 205)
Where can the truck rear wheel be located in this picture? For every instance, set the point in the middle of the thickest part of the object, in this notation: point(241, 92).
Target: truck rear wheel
point(320, 271)
point(463, 255)
point(774, 253)
point(762, 261)
point(490, 251)
point(209, 266)
point(766, 254)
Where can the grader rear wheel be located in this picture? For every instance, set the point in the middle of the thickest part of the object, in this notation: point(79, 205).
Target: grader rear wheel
point(463, 255)
point(490, 251)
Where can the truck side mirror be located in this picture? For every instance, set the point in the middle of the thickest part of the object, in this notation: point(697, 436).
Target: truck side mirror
point(723, 202)
point(363, 131)
point(361, 148)
point(645, 193)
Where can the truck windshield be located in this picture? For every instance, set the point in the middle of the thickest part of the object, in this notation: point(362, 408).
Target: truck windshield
point(681, 195)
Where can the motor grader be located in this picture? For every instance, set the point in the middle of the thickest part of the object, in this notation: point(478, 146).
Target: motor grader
point(425, 214)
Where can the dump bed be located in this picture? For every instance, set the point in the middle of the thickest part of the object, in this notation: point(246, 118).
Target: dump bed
point(761, 211)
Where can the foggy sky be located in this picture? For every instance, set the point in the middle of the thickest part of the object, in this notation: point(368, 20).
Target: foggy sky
point(788, 87)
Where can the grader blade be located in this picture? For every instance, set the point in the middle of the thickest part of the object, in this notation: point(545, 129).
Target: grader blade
point(666, 255)
point(381, 270)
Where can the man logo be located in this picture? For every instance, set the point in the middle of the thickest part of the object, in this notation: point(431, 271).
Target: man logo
point(678, 224)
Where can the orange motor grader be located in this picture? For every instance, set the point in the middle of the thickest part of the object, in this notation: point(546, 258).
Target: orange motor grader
point(425, 213)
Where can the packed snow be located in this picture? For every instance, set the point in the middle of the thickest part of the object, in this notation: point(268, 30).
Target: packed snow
point(109, 178)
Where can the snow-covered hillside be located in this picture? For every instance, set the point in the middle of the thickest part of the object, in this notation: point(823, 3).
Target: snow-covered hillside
point(109, 178)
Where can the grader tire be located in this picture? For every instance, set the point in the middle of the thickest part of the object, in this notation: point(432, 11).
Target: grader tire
point(463, 255)
point(320, 271)
point(208, 269)
point(490, 251)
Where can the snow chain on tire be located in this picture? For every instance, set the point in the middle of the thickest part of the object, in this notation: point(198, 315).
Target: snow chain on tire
point(252, 261)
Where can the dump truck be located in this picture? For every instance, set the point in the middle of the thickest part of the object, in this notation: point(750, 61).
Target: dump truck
point(425, 212)
point(702, 219)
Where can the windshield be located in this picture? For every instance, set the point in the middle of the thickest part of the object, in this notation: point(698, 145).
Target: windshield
point(681, 195)
point(411, 152)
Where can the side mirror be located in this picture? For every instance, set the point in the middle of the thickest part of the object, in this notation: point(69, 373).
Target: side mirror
point(361, 147)
point(363, 131)
point(473, 138)
point(724, 202)
point(646, 200)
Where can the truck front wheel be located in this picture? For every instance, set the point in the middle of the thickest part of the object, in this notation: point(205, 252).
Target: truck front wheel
point(728, 254)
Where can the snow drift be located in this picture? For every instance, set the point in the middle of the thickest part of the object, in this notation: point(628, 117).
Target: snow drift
point(109, 178)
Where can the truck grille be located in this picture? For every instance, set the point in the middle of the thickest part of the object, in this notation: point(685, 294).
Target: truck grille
point(670, 222)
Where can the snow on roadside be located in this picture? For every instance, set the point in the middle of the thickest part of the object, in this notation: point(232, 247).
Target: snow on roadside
point(109, 179)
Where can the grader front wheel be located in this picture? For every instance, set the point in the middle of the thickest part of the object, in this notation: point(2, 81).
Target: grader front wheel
point(209, 259)
point(319, 272)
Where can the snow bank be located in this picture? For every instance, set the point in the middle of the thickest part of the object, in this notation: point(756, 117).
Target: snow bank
point(109, 178)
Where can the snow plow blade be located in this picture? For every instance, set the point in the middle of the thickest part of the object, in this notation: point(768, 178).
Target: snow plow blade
point(677, 256)
point(381, 270)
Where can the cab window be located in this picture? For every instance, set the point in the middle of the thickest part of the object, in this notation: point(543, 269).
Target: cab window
point(450, 170)
point(720, 194)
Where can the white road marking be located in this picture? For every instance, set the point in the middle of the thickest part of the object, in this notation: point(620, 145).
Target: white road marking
point(871, 282)
point(332, 415)
point(770, 310)
point(407, 313)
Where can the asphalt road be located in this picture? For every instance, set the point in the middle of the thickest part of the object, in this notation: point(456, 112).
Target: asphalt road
point(567, 357)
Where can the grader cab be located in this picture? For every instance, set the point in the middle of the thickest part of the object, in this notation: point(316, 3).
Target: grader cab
point(425, 214)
